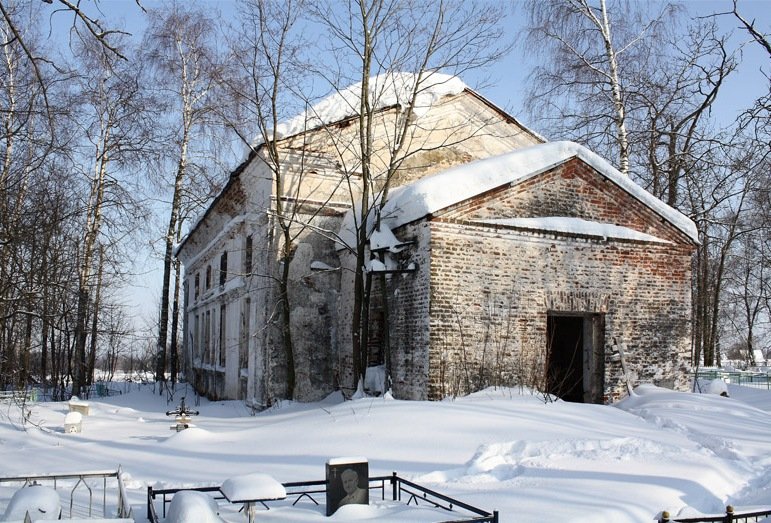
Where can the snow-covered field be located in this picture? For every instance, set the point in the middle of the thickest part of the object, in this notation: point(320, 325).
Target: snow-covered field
point(498, 449)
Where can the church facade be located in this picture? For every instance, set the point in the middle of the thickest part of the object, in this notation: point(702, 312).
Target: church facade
point(500, 259)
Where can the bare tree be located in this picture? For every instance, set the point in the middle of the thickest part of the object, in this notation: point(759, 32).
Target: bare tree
point(756, 34)
point(395, 45)
point(674, 97)
point(117, 129)
point(83, 25)
point(181, 51)
point(31, 210)
point(267, 53)
point(671, 71)
point(581, 84)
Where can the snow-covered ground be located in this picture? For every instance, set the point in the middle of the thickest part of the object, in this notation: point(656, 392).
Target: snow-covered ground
point(533, 461)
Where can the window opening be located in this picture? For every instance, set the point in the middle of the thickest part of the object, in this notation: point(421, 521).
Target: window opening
point(223, 267)
point(223, 323)
point(248, 256)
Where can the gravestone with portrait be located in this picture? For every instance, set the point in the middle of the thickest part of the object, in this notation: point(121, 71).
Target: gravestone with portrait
point(347, 483)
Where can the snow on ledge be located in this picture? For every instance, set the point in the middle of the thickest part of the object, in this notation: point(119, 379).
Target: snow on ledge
point(346, 460)
point(571, 225)
point(433, 193)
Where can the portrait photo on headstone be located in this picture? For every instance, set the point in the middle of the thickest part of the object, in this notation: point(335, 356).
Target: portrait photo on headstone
point(347, 483)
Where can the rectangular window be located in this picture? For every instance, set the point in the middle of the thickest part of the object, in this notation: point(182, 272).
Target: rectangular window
point(243, 338)
point(197, 285)
point(208, 277)
point(196, 339)
point(207, 337)
point(223, 322)
point(223, 267)
point(248, 256)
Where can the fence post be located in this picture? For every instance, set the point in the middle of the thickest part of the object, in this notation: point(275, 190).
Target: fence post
point(729, 514)
point(149, 500)
point(495, 516)
point(394, 480)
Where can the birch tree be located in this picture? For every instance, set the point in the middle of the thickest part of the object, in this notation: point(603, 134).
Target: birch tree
point(579, 85)
point(180, 48)
point(116, 129)
point(27, 218)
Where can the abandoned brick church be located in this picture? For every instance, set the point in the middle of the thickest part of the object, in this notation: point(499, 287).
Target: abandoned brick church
point(522, 263)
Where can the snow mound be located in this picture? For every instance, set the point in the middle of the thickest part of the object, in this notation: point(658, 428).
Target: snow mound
point(41, 502)
point(189, 505)
point(496, 462)
point(390, 511)
point(718, 387)
point(189, 436)
point(73, 417)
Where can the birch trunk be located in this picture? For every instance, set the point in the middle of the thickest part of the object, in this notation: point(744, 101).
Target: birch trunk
point(176, 203)
point(93, 226)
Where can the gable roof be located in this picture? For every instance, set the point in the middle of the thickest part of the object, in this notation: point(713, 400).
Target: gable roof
point(388, 90)
point(430, 194)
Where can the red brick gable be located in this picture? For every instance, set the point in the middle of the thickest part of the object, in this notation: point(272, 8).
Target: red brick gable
point(572, 189)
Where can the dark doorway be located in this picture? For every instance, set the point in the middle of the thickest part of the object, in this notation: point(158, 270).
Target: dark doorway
point(575, 365)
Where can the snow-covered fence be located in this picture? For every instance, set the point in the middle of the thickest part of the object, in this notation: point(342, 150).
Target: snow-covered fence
point(756, 380)
point(392, 487)
point(730, 516)
point(81, 487)
point(18, 396)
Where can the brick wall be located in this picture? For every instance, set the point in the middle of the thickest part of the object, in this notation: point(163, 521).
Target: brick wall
point(491, 288)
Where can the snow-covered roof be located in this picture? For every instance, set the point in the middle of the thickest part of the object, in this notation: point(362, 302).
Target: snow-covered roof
point(570, 225)
point(386, 90)
point(430, 194)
